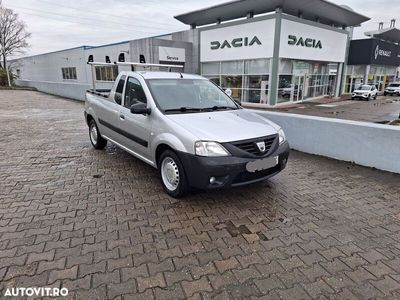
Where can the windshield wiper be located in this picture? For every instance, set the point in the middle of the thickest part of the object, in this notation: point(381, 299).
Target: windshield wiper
point(217, 107)
point(183, 109)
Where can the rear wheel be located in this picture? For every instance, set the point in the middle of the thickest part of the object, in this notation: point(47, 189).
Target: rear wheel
point(95, 138)
point(376, 95)
point(172, 175)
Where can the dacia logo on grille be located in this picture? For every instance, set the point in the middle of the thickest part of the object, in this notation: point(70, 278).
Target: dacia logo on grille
point(261, 146)
point(235, 43)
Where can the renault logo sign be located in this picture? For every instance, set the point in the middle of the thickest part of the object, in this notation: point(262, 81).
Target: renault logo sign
point(380, 52)
point(237, 42)
point(307, 42)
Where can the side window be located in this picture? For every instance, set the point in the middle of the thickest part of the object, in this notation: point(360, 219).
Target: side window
point(119, 89)
point(134, 93)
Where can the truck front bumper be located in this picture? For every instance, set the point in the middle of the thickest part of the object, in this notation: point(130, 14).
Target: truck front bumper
point(228, 171)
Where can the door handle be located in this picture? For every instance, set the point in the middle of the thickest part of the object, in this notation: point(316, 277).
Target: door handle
point(122, 117)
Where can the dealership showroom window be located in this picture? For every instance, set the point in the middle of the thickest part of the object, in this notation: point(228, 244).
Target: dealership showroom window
point(306, 61)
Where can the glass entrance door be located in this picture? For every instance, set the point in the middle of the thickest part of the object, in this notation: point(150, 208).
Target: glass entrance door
point(297, 88)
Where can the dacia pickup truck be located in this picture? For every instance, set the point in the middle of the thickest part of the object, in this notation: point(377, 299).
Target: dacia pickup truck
point(188, 128)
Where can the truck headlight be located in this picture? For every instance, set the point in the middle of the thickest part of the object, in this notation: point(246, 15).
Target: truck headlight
point(282, 136)
point(210, 149)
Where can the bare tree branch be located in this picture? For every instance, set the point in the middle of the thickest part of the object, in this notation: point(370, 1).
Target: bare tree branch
point(13, 34)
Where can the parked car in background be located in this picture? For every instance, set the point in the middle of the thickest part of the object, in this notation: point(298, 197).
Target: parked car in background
point(365, 92)
point(187, 128)
point(392, 89)
point(292, 89)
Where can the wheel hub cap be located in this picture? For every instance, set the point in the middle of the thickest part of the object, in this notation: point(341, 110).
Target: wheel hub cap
point(93, 134)
point(170, 173)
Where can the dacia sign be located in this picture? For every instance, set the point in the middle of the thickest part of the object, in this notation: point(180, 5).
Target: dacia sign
point(301, 41)
point(304, 42)
point(236, 42)
point(250, 40)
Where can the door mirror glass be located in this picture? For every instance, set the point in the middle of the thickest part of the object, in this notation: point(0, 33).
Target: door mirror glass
point(228, 92)
point(140, 108)
point(118, 98)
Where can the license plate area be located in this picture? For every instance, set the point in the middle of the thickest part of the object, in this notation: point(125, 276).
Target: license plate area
point(262, 164)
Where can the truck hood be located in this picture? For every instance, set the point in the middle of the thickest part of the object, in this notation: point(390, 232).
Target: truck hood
point(225, 126)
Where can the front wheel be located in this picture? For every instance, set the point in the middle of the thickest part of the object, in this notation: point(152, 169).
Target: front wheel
point(95, 138)
point(369, 97)
point(172, 174)
point(376, 95)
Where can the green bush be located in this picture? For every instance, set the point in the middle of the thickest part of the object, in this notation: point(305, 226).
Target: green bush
point(3, 77)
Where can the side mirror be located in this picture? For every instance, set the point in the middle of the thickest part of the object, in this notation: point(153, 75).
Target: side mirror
point(228, 91)
point(118, 98)
point(140, 109)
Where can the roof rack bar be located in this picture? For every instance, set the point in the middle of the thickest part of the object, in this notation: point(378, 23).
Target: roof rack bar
point(99, 63)
point(147, 65)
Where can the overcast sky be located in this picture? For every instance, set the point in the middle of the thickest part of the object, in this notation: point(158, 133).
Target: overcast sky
point(60, 24)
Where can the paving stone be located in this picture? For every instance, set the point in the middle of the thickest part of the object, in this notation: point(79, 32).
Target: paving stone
point(386, 285)
point(192, 287)
point(296, 292)
point(243, 275)
point(177, 276)
point(63, 274)
point(114, 290)
point(227, 264)
point(85, 269)
point(318, 288)
point(151, 282)
point(105, 278)
point(379, 269)
point(51, 265)
point(268, 284)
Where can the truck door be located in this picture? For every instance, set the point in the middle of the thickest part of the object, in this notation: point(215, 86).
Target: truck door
point(135, 128)
point(108, 111)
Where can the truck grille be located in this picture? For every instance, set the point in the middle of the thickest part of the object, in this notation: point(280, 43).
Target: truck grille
point(251, 146)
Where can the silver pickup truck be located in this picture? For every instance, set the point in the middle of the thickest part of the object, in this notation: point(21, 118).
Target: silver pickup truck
point(186, 127)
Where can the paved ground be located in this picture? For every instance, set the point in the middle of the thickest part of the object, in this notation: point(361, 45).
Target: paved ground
point(98, 223)
point(384, 109)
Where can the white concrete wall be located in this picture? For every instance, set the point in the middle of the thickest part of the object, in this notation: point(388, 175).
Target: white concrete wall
point(70, 90)
point(44, 71)
point(367, 144)
point(47, 67)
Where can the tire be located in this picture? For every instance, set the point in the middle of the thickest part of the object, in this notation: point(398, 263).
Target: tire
point(376, 96)
point(172, 174)
point(384, 94)
point(95, 138)
point(352, 98)
point(369, 97)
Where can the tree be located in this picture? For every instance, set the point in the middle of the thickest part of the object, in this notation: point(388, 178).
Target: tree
point(13, 36)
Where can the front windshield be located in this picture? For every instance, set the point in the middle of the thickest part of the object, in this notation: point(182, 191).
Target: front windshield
point(394, 85)
point(189, 95)
point(365, 88)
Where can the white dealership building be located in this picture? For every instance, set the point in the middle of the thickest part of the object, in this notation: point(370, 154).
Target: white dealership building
point(265, 51)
